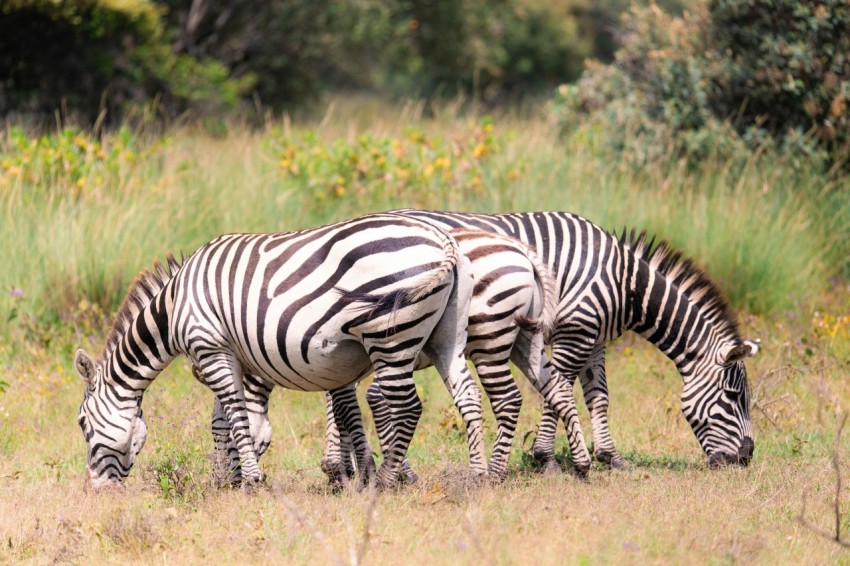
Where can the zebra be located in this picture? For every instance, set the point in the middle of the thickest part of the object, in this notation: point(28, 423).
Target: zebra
point(309, 310)
point(511, 285)
point(608, 284)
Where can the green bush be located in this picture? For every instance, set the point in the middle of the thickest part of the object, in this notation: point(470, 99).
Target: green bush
point(722, 81)
point(425, 171)
point(88, 57)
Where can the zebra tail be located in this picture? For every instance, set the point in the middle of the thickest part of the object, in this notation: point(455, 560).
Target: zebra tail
point(391, 302)
point(544, 323)
point(437, 275)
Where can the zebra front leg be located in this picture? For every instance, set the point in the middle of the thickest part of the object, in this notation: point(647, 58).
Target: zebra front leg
point(222, 373)
point(558, 394)
point(543, 450)
point(506, 402)
point(226, 463)
point(347, 414)
point(225, 459)
point(594, 385)
point(338, 456)
point(384, 428)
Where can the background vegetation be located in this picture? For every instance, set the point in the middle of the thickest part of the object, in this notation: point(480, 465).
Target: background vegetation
point(151, 126)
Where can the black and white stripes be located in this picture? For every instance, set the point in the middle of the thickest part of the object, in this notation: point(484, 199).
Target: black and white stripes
point(311, 310)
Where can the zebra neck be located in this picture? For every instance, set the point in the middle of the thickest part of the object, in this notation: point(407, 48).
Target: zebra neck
point(143, 350)
point(667, 317)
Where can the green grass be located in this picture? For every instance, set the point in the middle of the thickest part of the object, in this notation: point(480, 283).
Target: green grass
point(771, 237)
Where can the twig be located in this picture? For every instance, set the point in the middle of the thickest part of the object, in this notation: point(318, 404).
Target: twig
point(836, 464)
point(359, 554)
point(314, 532)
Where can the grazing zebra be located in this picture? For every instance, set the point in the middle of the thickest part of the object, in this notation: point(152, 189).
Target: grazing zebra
point(608, 285)
point(310, 310)
point(512, 308)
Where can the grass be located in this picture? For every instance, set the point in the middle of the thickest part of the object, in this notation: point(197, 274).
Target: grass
point(69, 249)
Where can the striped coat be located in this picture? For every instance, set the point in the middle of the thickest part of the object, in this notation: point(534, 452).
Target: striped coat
point(310, 310)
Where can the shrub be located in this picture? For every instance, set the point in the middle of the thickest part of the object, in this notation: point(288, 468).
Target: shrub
point(373, 172)
point(91, 56)
point(722, 81)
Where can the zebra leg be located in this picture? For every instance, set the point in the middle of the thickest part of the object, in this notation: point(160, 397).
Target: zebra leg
point(346, 411)
point(405, 408)
point(595, 388)
point(506, 401)
point(543, 450)
point(257, 393)
point(222, 373)
point(384, 428)
point(225, 456)
point(338, 455)
point(226, 463)
point(467, 398)
point(558, 393)
point(446, 348)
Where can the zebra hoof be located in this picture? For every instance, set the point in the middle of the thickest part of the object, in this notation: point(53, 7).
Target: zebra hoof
point(497, 476)
point(612, 459)
point(550, 467)
point(582, 470)
point(542, 457)
point(409, 477)
point(337, 474)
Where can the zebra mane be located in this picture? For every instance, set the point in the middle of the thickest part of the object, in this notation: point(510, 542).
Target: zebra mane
point(685, 275)
point(141, 292)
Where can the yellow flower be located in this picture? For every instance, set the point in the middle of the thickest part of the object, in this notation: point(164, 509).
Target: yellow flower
point(479, 151)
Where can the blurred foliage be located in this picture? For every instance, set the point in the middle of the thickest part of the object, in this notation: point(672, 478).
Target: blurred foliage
point(89, 56)
point(71, 160)
point(427, 171)
point(161, 58)
point(723, 80)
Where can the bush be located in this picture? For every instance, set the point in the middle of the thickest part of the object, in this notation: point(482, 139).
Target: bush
point(420, 170)
point(88, 57)
point(723, 81)
point(785, 66)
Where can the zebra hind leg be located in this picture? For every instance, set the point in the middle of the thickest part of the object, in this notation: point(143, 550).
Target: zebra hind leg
point(543, 450)
point(347, 414)
point(506, 402)
point(338, 456)
point(405, 408)
point(384, 428)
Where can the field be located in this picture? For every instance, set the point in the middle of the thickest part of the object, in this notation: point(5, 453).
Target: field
point(79, 217)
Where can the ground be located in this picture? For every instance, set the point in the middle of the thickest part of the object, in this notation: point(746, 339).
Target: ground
point(668, 508)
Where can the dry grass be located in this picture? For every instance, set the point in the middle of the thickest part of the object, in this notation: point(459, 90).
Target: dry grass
point(669, 509)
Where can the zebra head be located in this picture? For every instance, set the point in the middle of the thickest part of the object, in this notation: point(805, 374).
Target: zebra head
point(113, 425)
point(716, 403)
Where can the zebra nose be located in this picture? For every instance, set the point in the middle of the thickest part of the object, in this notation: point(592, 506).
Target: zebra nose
point(745, 452)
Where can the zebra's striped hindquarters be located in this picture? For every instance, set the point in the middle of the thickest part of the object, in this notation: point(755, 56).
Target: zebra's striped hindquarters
point(309, 310)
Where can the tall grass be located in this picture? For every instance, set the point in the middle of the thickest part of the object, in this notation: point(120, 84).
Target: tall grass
point(761, 231)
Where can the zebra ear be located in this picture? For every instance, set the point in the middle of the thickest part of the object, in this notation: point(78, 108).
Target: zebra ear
point(85, 366)
point(738, 352)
